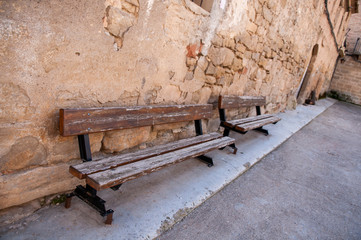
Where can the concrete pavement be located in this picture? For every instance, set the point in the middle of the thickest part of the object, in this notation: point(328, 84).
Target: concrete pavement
point(308, 188)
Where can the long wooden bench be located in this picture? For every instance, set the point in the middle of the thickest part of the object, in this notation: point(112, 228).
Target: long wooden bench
point(111, 172)
point(245, 124)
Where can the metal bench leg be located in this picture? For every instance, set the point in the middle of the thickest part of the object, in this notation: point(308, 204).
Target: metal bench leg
point(206, 159)
point(225, 134)
point(262, 130)
point(116, 187)
point(235, 149)
point(233, 146)
point(68, 200)
point(89, 195)
point(109, 219)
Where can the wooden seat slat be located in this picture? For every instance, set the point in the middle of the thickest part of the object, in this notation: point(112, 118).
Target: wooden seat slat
point(79, 121)
point(115, 176)
point(256, 124)
point(86, 168)
point(233, 123)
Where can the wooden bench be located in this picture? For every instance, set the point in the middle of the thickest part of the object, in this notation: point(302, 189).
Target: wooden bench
point(111, 172)
point(245, 124)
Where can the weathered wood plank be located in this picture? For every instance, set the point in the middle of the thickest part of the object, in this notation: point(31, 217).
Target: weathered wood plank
point(115, 176)
point(82, 121)
point(233, 123)
point(225, 102)
point(86, 168)
point(256, 124)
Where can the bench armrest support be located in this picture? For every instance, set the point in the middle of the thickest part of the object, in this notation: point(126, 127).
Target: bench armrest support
point(198, 126)
point(222, 114)
point(84, 147)
point(258, 110)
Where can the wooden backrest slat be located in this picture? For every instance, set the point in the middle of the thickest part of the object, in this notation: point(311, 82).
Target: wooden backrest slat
point(225, 102)
point(89, 120)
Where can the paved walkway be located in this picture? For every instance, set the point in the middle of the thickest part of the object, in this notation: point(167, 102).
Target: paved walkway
point(308, 188)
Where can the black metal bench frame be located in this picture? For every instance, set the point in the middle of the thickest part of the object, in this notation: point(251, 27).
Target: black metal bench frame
point(88, 194)
point(250, 102)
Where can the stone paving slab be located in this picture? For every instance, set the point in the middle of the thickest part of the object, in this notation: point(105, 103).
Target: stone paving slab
point(146, 207)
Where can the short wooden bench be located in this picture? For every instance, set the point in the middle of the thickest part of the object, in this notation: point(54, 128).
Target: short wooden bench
point(245, 124)
point(112, 171)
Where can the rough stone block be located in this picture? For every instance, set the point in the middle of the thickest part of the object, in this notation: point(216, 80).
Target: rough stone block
point(189, 131)
point(211, 70)
point(251, 42)
point(202, 63)
point(96, 141)
point(251, 27)
point(15, 103)
point(210, 80)
point(116, 141)
point(248, 55)
point(217, 41)
point(213, 124)
point(229, 43)
point(26, 186)
point(133, 2)
point(219, 72)
point(228, 57)
point(255, 56)
point(117, 21)
point(267, 14)
point(240, 48)
point(263, 62)
point(199, 74)
point(189, 76)
point(221, 56)
point(170, 92)
point(259, 47)
point(204, 95)
point(191, 61)
point(261, 74)
point(26, 152)
point(237, 64)
point(268, 51)
point(252, 14)
point(129, 7)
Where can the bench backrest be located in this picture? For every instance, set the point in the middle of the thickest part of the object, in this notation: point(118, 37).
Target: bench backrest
point(225, 102)
point(80, 121)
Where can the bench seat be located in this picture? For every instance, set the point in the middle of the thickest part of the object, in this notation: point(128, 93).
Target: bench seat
point(118, 175)
point(86, 168)
point(250, 123)
point(244, 125)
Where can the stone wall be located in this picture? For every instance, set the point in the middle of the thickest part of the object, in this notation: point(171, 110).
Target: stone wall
point(127, 52)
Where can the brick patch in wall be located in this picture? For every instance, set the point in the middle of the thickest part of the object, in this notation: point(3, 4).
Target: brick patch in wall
point(346, 82)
